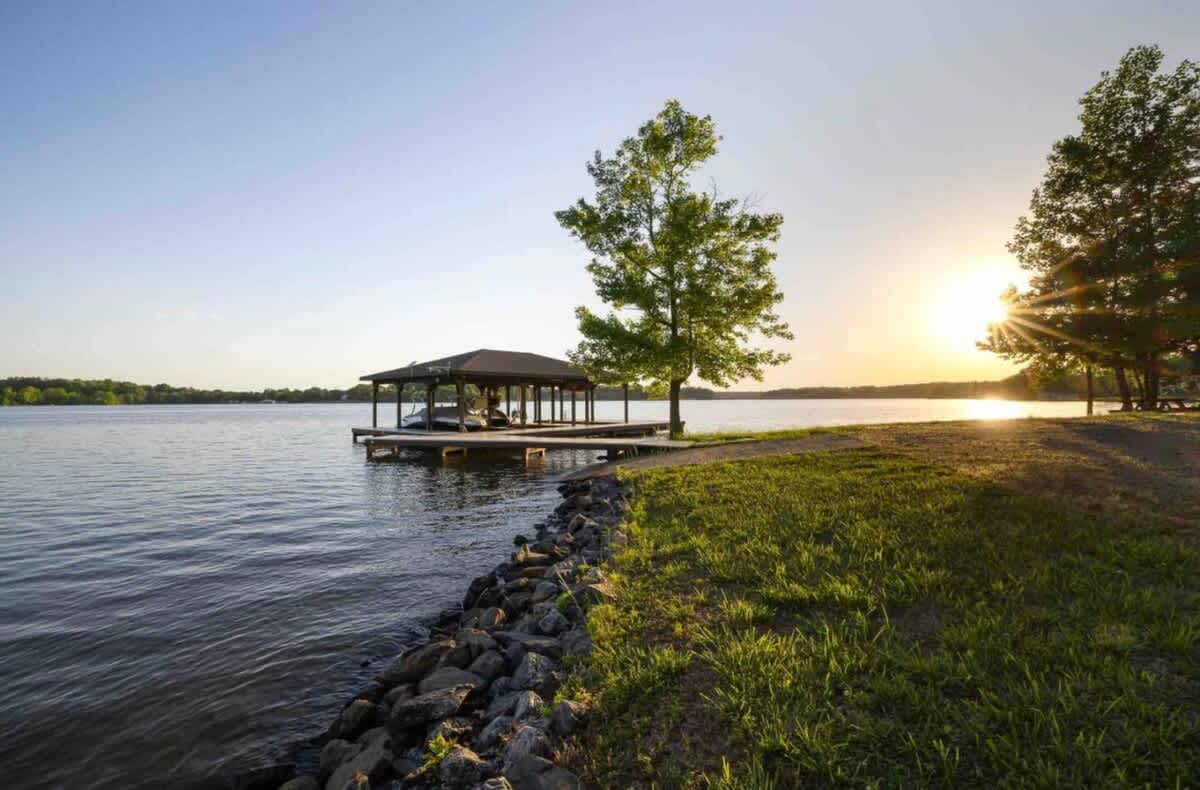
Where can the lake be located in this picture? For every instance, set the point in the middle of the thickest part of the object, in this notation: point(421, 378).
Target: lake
point(183, 587)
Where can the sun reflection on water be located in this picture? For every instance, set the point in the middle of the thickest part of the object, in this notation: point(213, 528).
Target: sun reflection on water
point(995, 410)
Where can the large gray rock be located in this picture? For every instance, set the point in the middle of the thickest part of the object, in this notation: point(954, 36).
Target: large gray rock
point(470, 643)
point(496, 730)
point(500, 686)
point(537, 773)
point(336, 752)
point(373, 762)
point(399, 694)
point(536, 672)
point(355, 718)
point(553, 623)
point(545, 591)
point(528, 705)
point(462, 768)
point(566, 717)
point(502, 705)
point(425, 708)
point(416, 664)
point(489, 665)
point(576, 642)
point(448, 677)
point(455, 728)
point(492, 617)
point(531, 642)
point(592, 593)
point(528, 742)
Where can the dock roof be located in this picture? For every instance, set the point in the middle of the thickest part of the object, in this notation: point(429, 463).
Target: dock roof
point(485, 365)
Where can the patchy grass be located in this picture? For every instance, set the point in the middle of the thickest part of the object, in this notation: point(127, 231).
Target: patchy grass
point(781, 434)
point(865, 618)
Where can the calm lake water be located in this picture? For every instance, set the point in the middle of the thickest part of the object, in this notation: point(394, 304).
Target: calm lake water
point(183, 587)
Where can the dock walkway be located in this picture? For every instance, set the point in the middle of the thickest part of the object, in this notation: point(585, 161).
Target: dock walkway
point(615, 439)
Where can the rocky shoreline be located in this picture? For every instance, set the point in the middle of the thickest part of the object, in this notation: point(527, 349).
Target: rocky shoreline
point(474, 706)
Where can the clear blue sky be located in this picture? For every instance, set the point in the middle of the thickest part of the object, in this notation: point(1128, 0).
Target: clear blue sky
point(257, 194)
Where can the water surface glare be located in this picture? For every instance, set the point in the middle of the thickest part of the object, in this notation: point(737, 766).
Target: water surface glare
point(183, 587)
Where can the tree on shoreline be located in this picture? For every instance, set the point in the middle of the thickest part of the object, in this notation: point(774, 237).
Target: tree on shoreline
point(1112, 238)
point(687, 273)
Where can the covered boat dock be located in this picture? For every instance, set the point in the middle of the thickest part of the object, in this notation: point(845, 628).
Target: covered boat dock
point(548, 403)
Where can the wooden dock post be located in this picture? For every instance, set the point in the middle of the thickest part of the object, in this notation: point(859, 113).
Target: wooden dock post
point(399, 402)
point(523, 416)
point(374, 404)
point(573, 408)
point(625, 386)
point(461, 389)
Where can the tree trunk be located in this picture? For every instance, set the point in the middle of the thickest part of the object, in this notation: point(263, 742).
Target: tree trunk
point(1091, 391)
point(676, 423)
point(1123, 387)
point(1152, 381)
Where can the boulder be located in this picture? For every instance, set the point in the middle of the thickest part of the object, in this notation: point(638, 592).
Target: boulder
point(336, 752)
point(469, 644)
point(492, 617)
point(455, 728)
point(425, 708)
point(592, 593)
point(374, 762)
point(502, 705)
point(449, 677)
point(528, 705)
point(495, 731)
point(536, 672)
point(478, 585)
point(515, 604)
point(399, 694)
point(528, 742)
point(416, 664)
point(462, 768)
point(553, 623)
point(489, 665)
point(355, 718)
point(500, 686)
point(538, 773)
point(526, 556)
point(531, 642)
point(544, 591)
point(566, 717)
point(576, 642)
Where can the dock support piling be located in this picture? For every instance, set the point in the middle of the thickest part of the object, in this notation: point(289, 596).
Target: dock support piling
point(461, 389)
point(625, 387)
point(374, 404)
point(572, 407)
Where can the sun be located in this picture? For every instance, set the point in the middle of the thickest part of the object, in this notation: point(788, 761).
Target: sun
point(966, 305)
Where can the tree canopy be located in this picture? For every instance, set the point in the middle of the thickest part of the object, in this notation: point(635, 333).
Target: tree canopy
point(687, 272)
point(1112, 237)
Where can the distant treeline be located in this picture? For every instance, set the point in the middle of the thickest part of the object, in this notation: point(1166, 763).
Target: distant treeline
point(106, 392)
point(1018, 387)
point(19, 391)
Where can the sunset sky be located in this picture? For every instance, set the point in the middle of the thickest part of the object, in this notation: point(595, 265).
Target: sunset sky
point(290, 194)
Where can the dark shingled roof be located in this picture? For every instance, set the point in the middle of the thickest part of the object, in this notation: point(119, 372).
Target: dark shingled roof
point(487, 365)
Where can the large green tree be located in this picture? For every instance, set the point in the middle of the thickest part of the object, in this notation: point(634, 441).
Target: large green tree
point(686, 271)
point(1110, 240)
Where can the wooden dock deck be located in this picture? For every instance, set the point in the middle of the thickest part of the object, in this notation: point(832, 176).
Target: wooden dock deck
point(615, 439)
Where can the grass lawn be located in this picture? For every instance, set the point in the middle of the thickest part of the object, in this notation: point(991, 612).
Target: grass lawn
point(864, 617)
